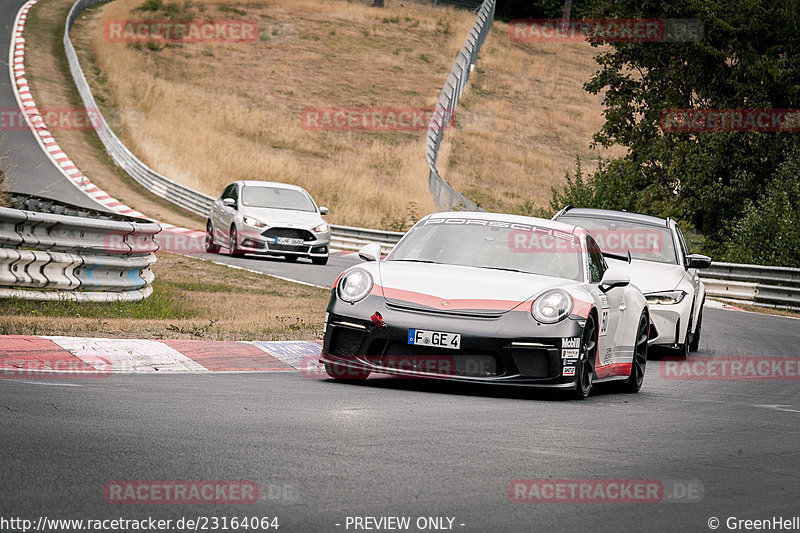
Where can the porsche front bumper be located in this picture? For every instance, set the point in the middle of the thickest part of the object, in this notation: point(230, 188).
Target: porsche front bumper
point(503, 348)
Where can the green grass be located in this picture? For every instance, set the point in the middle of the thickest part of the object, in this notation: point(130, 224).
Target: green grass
point(165, 302)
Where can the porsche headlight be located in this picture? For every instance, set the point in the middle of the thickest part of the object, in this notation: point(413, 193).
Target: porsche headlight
point(666, 297)
point(355, 285)
point(250, 221)
point(322, 228)
point(552, 306)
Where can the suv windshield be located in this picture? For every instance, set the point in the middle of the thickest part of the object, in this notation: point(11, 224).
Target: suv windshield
point(493, 244)
point(276, 198)
point(646, 242)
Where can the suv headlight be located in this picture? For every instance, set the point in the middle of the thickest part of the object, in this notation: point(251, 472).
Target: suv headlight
point(355, 285)
point(250, 221)
point(666, 297)
point(322, 228)
point(552, 306)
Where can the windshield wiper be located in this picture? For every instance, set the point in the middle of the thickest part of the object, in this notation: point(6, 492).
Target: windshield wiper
point(507, 269)
point(418, 261)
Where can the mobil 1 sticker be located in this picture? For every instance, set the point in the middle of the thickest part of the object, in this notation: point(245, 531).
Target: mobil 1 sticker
point(571, 342)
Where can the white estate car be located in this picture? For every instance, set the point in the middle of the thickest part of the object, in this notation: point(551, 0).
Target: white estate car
point(660, 266)
point(268, 218)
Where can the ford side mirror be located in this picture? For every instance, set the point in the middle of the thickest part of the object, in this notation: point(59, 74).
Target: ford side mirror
point(229, 202)
point(614, 278)
point(370, 252)
point(698, 261)
point(323, 210)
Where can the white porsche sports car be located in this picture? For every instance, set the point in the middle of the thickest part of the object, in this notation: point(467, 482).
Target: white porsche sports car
point(489, 298)
point(661, 267)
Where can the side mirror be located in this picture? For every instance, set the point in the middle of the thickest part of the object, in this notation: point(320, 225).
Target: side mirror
point(614, 278)
point(698, 261)
point(323, 210)
point(229, 202)
point(370, 252)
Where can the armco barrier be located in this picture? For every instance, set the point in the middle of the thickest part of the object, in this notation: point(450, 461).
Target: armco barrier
point(759, 284)
point(349, 238)
point(443, 193)
point(52, 256)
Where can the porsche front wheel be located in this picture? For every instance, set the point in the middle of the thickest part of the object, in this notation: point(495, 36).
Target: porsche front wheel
point(345, 373)
point(584, 373)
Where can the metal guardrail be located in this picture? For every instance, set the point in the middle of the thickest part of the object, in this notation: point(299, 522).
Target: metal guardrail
point(63, 252)
point(759, 284)
point(349, 238)
point(445, 196)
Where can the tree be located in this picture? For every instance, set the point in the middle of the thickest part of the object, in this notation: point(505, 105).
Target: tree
point(748, 57)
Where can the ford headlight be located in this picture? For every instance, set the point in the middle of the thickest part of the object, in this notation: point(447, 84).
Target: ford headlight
point(552, 306)
point(250, 221)
point(355, 285)
point(322, 228)
point(666, 297)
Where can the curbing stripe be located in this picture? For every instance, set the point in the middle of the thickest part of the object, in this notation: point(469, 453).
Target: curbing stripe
point(219, 356)
point(59, 356)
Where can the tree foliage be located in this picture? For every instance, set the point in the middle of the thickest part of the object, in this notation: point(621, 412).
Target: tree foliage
point(716, 182)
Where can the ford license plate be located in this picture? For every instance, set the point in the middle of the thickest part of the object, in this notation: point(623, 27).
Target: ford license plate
point(437, 339)
point(288, 241)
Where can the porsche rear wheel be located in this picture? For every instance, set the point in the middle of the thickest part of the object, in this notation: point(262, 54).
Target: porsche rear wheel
point(345, 373)
point(639, 362)
point(584, 373)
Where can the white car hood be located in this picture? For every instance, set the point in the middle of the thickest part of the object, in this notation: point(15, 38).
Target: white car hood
point(459, 288)
point(650, 276)
point(283, 217)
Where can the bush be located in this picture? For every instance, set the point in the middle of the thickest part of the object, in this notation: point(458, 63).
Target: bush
point(769, 231)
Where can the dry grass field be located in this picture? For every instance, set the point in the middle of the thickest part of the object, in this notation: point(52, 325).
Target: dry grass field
point(206, 114)
point(192, 299)
point(527, 119)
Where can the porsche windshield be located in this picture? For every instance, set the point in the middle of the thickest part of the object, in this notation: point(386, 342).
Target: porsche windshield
point(493, 244)
point(277, 198)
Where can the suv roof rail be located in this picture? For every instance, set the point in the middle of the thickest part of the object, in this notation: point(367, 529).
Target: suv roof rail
point(563, 210)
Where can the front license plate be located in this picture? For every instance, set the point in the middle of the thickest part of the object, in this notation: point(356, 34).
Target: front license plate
point(438, 339)
point(287, 240)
